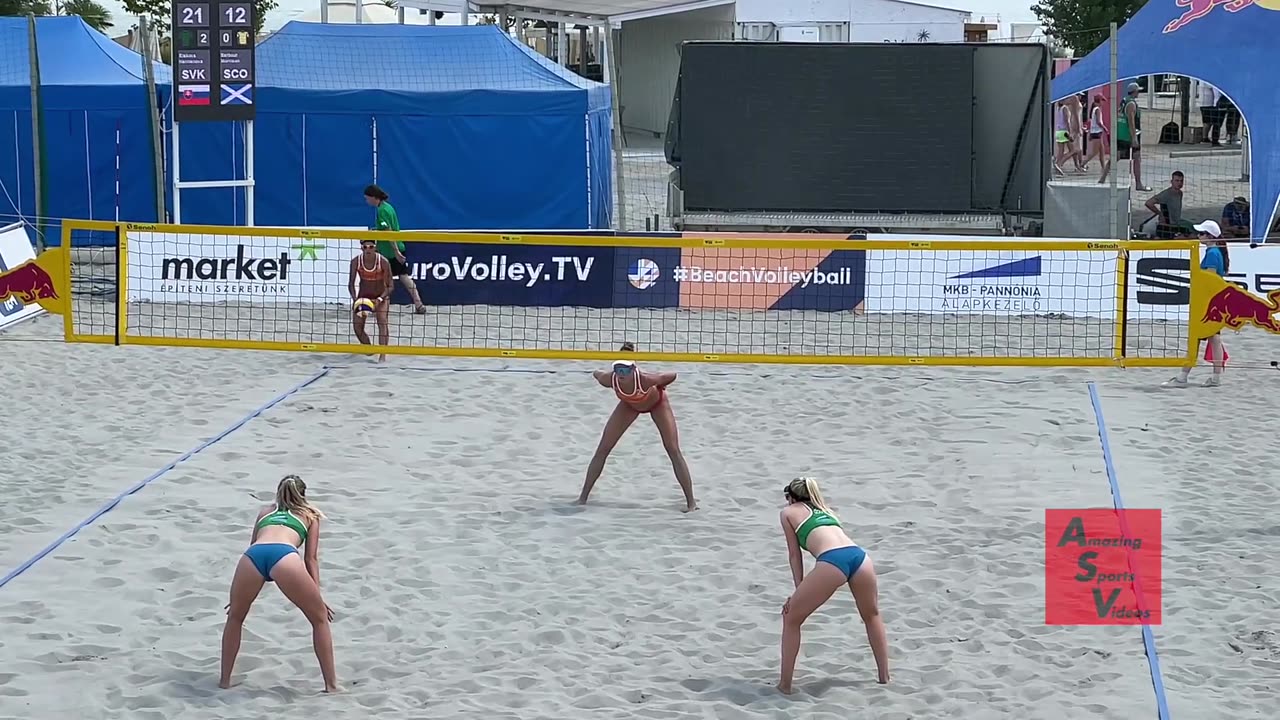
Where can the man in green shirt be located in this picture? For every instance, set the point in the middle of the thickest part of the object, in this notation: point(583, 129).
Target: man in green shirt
point(385, 220)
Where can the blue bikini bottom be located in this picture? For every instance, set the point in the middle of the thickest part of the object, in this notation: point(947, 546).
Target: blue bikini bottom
point(265, 556)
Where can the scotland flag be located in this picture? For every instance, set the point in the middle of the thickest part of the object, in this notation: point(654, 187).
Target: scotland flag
point(237, 94)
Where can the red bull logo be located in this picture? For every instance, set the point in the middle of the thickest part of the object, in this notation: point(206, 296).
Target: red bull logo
point(1233, 308)
point(33, 282)
point(1196, 9)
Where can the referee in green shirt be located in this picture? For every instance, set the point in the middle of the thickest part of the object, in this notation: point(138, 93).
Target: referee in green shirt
point(385, 219)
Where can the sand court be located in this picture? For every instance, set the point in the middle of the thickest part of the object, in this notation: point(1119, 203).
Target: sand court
point(467, 584)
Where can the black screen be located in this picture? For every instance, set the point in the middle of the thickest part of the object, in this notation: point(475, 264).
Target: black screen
point(826, 127)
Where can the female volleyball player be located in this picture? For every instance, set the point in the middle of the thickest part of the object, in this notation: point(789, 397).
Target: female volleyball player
point(374, 272)
point(1216, 260)
point(639, 393)
point(279, 530)
point(809, 524)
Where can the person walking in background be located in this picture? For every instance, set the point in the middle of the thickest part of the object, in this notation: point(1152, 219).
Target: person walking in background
point(1099, 137)
point(1210, 118)
point(1129, 134)
point(386, 220)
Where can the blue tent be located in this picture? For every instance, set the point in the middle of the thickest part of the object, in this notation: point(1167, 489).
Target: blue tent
point(96, 124)
point(1237, 52)
point(464, 127)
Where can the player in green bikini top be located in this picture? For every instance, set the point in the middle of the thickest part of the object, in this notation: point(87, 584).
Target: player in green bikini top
point(279, 531)
point(810, 525)
point(282, 517)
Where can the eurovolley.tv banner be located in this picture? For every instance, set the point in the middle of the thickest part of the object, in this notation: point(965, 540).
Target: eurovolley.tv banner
point(600, 277)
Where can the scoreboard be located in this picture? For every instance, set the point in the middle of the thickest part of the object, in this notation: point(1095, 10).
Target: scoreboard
point(213, 60)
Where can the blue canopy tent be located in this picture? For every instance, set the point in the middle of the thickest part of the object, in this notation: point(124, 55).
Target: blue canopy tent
point(96, 124)
point(1237, 52)
point(464, 127)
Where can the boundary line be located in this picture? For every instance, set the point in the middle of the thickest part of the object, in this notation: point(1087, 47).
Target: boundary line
point(1148, 638)
point(111, 504)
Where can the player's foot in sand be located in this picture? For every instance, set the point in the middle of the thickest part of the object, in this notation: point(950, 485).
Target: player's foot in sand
point(1175, 382)
point(225, 684)
point(784, 689)
point(332, 689)
point(420, 310)
point(691, 507)
point(382, 358)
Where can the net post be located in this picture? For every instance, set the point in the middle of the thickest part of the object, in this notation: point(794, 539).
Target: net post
point(68, 318)
point(122, 283)
point(610, 68)
point(176, 174)
point(153, 104)
point(37, 142)
point(1122, 305)
point(1114, 96)
point(248, 173)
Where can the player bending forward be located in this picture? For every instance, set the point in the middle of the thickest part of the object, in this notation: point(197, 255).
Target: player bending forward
point(639, 393)
point(376, 283)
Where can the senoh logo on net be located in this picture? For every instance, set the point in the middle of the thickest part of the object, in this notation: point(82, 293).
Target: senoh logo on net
point(500, 268)
point(241, 274)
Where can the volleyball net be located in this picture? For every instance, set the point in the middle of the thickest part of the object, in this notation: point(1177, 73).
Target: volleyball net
point(791, 299)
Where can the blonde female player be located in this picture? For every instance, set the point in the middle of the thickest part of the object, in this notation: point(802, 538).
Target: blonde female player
point(809, 524)
point(279, 530)
point(639, 393)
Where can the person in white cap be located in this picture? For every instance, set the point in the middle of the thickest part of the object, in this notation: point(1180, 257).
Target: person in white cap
point(1216, 260)
point(639, 393)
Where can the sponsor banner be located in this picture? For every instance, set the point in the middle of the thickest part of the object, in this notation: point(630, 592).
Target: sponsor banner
point(16, 249)
point(996, 282)
point(643, 277)
point(172, 267)
point(720, 279)
point(1160, 281)
point(525, 275)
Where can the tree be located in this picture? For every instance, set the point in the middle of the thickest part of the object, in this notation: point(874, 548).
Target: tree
point(25, 7)
point(1083, 25)
point(158, 12)
point(93, 14)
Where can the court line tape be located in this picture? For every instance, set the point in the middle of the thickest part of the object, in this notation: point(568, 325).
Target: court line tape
point(111, 505)
point(1148, 638)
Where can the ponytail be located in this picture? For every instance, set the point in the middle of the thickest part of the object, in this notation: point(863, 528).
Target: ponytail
point(291, 495)
point(806, 490)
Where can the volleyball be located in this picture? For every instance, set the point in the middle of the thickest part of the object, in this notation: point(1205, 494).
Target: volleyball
point(364, 307)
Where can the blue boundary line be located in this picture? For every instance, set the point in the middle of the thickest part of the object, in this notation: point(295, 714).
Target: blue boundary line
point(1148, 638)
point(157, 474)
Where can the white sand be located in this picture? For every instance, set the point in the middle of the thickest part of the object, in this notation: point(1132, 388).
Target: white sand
point(468, 586)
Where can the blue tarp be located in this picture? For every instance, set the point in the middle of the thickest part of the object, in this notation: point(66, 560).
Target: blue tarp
point(464, 127)
point(93, 96)
point(1234, 46)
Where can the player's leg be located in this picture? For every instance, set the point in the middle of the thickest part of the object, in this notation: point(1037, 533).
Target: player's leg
point(357, 324)
point(816, 588)
point(866, 595)
point(290, 575)
point(614, 429)
point(245, 586)
point(383, 315)
point(1180, 380)
point(665, 420)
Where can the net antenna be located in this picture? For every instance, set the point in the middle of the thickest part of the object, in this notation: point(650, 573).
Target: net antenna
point(213, 81)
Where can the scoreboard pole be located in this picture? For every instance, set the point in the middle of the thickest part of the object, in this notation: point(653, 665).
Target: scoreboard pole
point(214, 71)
